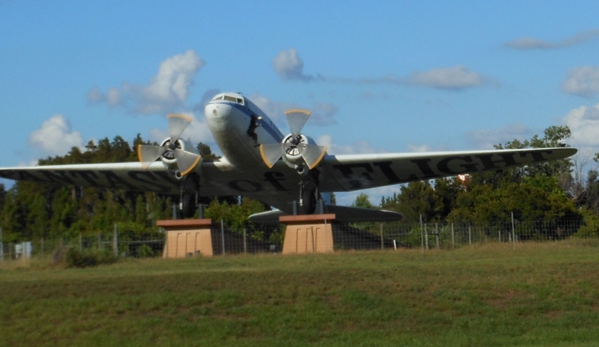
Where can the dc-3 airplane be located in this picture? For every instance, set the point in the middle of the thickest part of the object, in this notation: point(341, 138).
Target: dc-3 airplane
point(290, 172)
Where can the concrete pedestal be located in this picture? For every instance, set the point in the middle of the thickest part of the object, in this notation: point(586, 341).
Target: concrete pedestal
point(187, 237)
point(308, 233)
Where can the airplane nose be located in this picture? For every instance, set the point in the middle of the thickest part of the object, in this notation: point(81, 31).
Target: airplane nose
point(217, 111)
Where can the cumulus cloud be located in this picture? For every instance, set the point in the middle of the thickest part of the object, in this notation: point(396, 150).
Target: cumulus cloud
point(582, 81)
point(55, 136)
point(487, 139)
point(528, 43)
point(165, 92)
point(584, 126)
point(290, 66)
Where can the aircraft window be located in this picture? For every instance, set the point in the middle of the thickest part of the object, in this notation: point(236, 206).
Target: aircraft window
point(220, 97)
point(234, 99)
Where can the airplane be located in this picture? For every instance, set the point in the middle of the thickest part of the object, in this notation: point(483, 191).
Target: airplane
point(289, 172)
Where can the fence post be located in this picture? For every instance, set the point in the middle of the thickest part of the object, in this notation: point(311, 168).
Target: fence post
point(222, 233)
point(513, 231)
point(437, 235)
point(326, 246)
point(1, 246)
point(452, 237)
point(115, 241)
point(382, 240)
point(245, 244)
point(421, 234)
point(469, 235)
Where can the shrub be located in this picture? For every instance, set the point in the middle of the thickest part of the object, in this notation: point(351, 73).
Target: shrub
point(82, 259)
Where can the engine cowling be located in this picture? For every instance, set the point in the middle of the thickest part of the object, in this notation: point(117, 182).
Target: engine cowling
point(297, 150)
point(173, 150)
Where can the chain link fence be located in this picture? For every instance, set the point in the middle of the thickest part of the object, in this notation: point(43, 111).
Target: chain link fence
point(269, 239)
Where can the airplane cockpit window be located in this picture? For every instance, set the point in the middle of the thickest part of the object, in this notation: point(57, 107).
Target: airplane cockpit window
point(234, 99)
point(219, 97)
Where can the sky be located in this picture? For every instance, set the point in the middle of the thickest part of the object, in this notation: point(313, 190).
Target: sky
point(379, 76)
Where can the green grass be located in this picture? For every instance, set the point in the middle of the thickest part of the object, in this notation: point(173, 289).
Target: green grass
point(536, 295)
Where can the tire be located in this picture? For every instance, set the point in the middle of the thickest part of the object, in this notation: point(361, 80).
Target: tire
point(308, 201)
point(188, 208)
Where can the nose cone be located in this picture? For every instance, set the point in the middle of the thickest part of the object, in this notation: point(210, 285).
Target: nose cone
point(217, 115)
point(217, 110)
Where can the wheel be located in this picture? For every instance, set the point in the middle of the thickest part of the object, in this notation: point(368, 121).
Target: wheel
point(188, 206)
point(308, 201)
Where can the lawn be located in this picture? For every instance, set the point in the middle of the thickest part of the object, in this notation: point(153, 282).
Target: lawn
point(544, 294)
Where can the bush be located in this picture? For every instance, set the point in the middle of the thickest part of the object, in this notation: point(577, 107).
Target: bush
point(144, 251)
point(82, 259)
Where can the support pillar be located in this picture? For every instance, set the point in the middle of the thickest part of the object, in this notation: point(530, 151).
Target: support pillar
point(308, 233)
point(187, 237)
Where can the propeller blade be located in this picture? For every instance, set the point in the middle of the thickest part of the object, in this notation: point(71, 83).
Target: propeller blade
point(312, 154)
point(176, 125)
point(186, 161)
point(297, 118)
point(271, 152)
point(147, 154)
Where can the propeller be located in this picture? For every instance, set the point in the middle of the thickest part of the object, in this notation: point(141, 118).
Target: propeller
point(173, 150)
point(295, 146)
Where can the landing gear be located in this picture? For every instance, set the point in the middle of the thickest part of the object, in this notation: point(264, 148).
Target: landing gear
point(308, 198)
point(190, 191)
point(188, 205)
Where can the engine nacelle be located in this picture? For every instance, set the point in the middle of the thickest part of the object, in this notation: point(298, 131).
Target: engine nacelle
point(294, 152)
point(168, 157)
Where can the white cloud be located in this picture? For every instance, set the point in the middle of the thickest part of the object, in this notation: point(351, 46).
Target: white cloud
point(419, 148)
point(360, 147)
point(290, 66)
point(55, 136)
point(582, 81)
point(455, 78)
point(584, 126)
point(166, 91)
point(487, 139)
point(527, 43)
point(197, 131)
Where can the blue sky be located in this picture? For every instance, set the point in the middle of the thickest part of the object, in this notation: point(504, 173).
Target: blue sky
point(379, 76)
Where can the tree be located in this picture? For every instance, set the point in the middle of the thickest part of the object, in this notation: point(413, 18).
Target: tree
point(362, 201)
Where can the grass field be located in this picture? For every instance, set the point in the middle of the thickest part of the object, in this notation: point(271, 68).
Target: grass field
point(537, 295)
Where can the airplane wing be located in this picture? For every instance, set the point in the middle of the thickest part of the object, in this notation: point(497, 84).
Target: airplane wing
point(362, 171)
point(278, 187)
point(129, 176)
